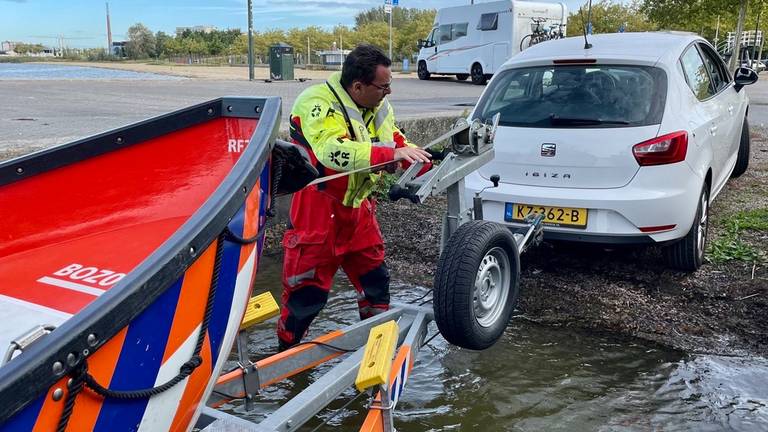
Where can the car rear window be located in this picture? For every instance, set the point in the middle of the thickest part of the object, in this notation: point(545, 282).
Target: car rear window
point(569, 96)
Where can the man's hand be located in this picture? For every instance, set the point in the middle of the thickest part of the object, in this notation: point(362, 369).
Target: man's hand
point(411, 154)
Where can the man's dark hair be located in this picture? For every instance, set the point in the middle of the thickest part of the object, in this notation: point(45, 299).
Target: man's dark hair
point(361, 63)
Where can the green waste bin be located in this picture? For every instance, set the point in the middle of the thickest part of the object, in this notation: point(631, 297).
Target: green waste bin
point(281, 62)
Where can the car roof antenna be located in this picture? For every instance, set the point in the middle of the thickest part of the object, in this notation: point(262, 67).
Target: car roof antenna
point(587, 45)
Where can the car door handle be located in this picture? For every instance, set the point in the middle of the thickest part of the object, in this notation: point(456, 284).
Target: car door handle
point(713, 130)
point(730, 109)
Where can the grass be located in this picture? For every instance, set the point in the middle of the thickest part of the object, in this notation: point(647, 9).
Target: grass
point(732, 245)
point(381, 190)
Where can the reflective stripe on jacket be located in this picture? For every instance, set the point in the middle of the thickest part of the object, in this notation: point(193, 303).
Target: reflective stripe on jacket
point(319, 123)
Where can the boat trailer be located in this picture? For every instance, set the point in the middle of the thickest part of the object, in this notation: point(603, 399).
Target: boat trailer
point(470, 307)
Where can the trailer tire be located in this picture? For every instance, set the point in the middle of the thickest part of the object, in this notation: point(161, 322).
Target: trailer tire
point(476, 72)
point(477, 284)
point(422, 71)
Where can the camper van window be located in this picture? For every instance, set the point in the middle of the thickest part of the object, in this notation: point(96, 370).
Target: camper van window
point(488, 21)
point(458, 30)
point(445, 33)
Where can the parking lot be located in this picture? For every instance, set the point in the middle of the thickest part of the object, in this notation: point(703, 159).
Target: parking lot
point(39, 114)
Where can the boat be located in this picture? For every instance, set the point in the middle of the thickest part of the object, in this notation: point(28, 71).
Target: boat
point(126, 263)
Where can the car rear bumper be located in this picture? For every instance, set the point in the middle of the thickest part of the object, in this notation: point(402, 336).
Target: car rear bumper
point(657, 196)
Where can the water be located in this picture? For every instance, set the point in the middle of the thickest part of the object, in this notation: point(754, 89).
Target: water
point(536, 378)
point(37, 71)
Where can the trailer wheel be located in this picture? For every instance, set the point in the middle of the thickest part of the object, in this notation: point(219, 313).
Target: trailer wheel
point(477, 283)
point(422, 71)
point(476, 71)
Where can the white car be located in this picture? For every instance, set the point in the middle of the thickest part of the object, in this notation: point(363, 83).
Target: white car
point(624, 142)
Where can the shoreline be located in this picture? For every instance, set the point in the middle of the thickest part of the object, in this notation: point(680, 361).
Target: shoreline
point(205, 72)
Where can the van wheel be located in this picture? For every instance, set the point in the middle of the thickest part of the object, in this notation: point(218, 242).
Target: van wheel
point(742, 160)
point(477, 74)
point(422, 71)
point(462, 77)
point(477, 283)
point(687, 254)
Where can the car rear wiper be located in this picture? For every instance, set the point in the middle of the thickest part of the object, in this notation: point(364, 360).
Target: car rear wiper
point(557, 120)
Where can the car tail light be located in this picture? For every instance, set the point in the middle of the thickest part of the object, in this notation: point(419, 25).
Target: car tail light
point(657, 228)
point(666, 149)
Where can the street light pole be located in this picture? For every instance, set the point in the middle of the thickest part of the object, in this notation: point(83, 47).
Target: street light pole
point(250, 41)
point(390, 33)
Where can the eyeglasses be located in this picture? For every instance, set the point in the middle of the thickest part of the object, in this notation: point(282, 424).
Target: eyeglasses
point(385, 87)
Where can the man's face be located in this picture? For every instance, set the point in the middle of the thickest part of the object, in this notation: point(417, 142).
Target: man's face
point(369, 95)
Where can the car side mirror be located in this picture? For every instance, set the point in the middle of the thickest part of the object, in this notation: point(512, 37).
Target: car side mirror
point(744, 76)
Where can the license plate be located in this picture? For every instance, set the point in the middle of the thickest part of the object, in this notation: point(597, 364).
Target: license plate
point(553, 216)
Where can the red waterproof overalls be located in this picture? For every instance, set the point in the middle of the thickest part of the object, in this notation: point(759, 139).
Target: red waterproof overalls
point(334, 224)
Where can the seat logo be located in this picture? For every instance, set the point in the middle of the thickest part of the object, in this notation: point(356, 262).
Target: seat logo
point(548, 149)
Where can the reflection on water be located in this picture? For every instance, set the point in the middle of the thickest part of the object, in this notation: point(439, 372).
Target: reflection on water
point(537, 379)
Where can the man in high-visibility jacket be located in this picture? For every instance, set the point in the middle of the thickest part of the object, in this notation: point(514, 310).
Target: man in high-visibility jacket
point(345, 123)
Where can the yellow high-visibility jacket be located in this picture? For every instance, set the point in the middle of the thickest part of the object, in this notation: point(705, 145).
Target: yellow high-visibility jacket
point(342, 137)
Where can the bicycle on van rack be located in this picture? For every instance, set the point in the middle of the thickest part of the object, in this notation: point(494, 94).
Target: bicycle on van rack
point(540, 34)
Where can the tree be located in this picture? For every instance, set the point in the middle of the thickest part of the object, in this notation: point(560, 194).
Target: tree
point(407, 36)
point(608, 17)
point(141, 42)
point(374, 33)
point(162, 40)
point(23, 48)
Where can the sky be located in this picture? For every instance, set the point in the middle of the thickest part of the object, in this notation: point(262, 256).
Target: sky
point(82, 23)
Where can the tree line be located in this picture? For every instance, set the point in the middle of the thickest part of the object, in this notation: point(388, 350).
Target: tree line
point(371, 26)
point(709, 18)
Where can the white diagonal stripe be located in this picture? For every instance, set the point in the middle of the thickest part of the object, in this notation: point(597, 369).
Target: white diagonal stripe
point(71, 285)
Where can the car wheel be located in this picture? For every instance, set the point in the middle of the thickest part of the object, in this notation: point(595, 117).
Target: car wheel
point(742, 160)
point(462, 77)
point(423, 72)
point(687, 254)
point(477, 74)
point(477, 283)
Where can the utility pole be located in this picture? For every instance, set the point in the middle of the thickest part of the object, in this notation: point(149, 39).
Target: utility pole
point(309, 53)
point(250, 41)
point(736, 52)
point(109, 33)
point(390, 32)
point(755, 54)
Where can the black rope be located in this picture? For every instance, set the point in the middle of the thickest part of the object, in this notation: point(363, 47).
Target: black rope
point(190, 365)
point(81, 377)
point(75, 386)
point(422, 297)
point(333, 347)
point(430, 339)
point(234, 238)
point(277, 174)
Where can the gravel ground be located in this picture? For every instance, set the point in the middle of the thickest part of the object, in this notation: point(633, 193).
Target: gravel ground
point(720, 309)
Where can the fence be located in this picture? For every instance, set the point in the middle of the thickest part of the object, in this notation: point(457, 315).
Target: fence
point(259, 60)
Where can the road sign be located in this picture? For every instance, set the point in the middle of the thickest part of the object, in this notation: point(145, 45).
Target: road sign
point(394, 2)
point(387, 8)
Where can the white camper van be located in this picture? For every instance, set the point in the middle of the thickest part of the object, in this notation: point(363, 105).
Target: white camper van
point(475, 40)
